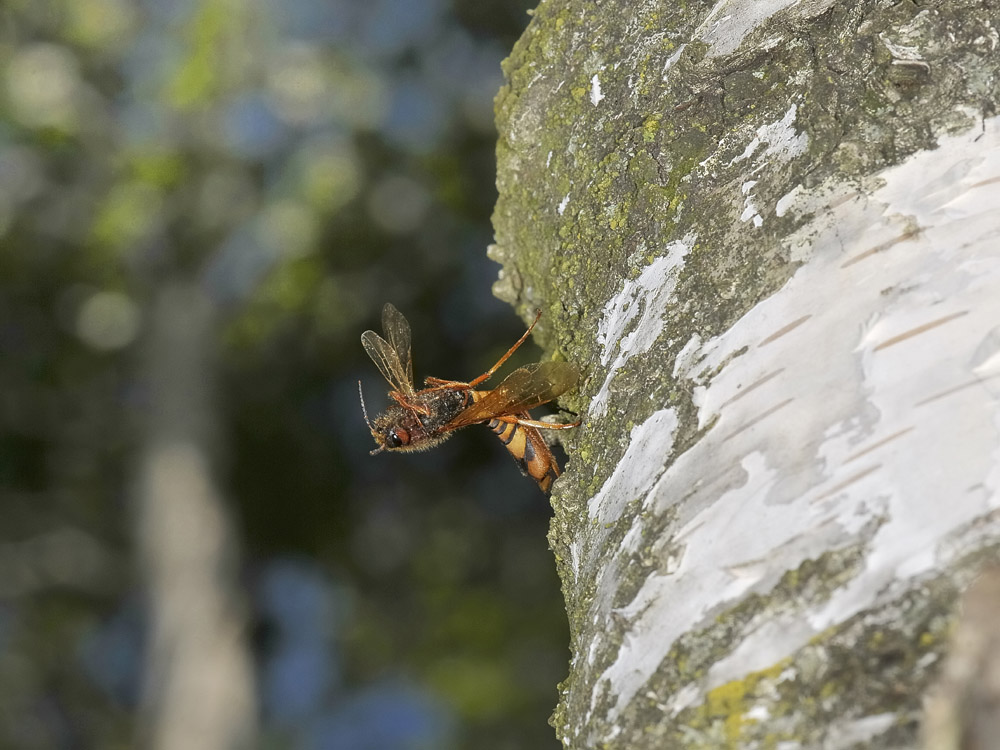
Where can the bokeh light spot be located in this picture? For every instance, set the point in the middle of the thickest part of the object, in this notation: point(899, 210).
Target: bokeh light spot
point(127, 214)
point(299, 85)
point(101, 24)
point(290, 227)
point(108, 321)
point(331, 173)
point(42, 83)
point(359, 97)
point(398, 204)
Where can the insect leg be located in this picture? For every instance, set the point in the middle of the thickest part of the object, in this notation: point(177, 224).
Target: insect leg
point(486, 375)
point(513, 419)
point(400, 399)
point(440, 384)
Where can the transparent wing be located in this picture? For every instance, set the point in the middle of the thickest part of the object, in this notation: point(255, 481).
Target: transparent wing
point(397, 331)
point(392, 357)
point(525, 388)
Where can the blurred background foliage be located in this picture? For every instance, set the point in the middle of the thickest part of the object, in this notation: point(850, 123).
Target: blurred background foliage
point(303, 162)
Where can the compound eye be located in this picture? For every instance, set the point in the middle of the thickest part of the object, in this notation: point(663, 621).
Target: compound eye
point(398, 437)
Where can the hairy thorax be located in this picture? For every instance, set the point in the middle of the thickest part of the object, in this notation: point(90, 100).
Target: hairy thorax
point(418, 425)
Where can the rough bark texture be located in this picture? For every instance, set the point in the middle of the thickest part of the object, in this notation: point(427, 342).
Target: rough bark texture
point(767, 231)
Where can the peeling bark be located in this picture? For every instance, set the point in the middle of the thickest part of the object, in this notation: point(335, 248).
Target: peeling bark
point(767, 231)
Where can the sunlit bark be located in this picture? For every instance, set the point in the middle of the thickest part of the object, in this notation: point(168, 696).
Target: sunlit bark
point(767, 232)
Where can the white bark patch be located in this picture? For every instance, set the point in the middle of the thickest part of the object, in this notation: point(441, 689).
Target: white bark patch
point(730, 21)
point(650, 294)
point(649, 443)
point(783, 141)
point(749, 208)
point(859, 731)
point(672, 59)
point(788, 200)
point(595, 90)
point(865, 410)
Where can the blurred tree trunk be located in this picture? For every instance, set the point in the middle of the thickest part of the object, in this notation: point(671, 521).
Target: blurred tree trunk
point(963, 712)
point(768, 234)
point(199, 683)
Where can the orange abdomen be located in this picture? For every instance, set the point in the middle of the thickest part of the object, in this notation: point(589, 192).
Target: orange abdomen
point(528, 448)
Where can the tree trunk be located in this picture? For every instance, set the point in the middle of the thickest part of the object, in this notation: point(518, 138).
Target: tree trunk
point(199, 691)
point(769, 234)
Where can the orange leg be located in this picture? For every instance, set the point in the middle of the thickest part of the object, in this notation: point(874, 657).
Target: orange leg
point(460, 386)
point(513, 419)
point(400, 399)
point(489, 373)
point(438, 383)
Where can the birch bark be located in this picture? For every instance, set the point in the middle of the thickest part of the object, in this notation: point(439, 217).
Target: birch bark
point(768, 233)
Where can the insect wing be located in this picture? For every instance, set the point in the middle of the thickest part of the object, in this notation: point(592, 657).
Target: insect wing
point(525, 388)
point(397, 330)
point(387, 361)
point(392, 357)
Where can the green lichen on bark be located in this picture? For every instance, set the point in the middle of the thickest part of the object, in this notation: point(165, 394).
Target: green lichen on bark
point(621, 133)
point(799, 698)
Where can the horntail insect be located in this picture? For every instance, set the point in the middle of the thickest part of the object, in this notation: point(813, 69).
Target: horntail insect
point(422, 419)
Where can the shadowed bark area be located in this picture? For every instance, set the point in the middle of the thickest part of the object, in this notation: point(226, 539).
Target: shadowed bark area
point(766, 233)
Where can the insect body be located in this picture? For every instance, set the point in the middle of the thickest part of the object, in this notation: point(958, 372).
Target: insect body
point(422, 419)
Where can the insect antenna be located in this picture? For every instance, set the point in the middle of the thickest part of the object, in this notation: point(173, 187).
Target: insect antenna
point(367, 420)
point(363, 409)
